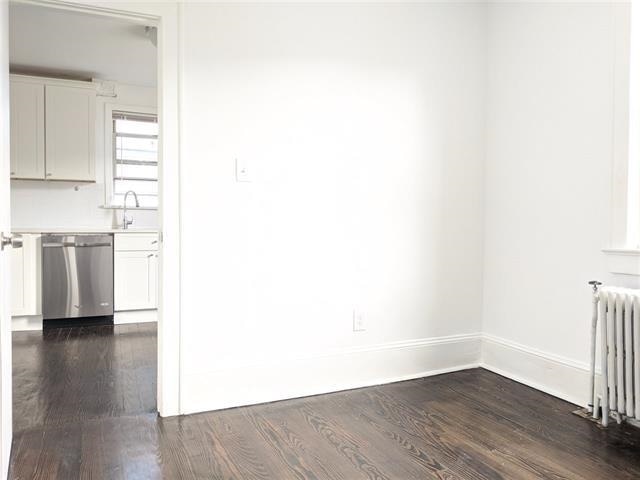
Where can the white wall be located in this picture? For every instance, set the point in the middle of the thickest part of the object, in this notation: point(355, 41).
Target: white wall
point(548, 176)
point(364, 129)
point(84, 46)
point(59, 205)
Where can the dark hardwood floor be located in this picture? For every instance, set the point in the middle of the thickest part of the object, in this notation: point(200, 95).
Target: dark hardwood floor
point(66, 375)
point(84, 408)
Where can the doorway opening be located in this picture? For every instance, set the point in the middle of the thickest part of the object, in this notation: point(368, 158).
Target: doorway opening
point(86, 199)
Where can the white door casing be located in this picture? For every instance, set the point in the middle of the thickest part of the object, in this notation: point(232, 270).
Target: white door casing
point(5, 255)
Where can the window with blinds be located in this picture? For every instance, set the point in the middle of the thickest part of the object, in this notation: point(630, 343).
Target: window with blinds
point(135, 158)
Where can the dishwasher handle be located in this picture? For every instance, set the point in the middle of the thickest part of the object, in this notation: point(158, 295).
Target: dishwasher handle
point(72, 244)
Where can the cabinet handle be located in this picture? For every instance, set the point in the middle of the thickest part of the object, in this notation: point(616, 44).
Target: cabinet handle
point(48, 174)
point(13, 173)
point(150, 255)
point(154, 242)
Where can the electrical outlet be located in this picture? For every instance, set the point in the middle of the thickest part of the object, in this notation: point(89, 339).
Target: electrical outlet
point(358, 321)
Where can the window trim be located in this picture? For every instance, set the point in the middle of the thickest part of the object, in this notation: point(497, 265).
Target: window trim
point(109, 167)
point(623, 250)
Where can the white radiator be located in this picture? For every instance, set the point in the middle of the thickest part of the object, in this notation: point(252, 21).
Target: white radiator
point(618, 312)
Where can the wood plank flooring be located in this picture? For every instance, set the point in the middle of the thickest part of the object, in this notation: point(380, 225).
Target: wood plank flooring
point(64, 375)
point(84, 408)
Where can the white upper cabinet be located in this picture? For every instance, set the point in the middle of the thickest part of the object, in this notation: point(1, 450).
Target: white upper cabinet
point(27, 130)
point(70, 138)
point(53, 127)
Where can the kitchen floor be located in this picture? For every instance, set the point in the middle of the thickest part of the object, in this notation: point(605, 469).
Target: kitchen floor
point(70, 375)
point(84, 407)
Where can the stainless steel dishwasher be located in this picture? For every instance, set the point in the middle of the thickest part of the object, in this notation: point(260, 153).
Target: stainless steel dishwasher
point(77, 275)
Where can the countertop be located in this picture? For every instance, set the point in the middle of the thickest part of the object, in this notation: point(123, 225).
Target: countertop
point(83, 230)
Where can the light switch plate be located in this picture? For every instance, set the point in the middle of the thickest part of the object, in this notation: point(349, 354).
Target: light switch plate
point(243, 173)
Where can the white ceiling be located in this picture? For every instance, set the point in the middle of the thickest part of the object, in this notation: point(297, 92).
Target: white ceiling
point(47, 40)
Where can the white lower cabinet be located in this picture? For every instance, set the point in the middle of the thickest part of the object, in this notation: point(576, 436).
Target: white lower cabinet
point(135, 277)
point(26, 277)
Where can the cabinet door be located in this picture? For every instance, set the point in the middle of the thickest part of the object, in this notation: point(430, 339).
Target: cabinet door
point(153, 280)
point(135, 280)
point(26, 277)
point(18, 291)
point(70, 140)
point(27, 130)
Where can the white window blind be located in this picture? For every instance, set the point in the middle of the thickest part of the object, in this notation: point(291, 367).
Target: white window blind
point(135, 158)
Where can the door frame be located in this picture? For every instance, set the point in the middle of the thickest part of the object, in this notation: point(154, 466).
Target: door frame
point(165, 16)
point(6, 404)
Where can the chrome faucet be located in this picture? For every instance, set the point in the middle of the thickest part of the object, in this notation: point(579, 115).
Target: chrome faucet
point(128, 221)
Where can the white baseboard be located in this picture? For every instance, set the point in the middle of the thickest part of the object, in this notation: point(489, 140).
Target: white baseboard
point(278, 379)
point(327, 372)
point(34, 322)
point(558, 376)
point(26, 323)
point(135, 316)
